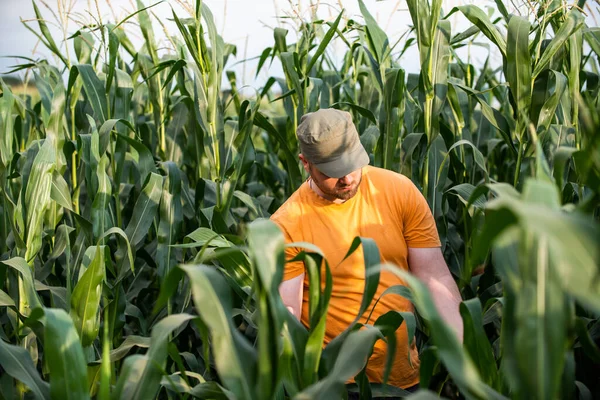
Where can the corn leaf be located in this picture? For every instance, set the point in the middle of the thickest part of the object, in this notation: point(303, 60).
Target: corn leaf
point(17, 363)
point(68, 376)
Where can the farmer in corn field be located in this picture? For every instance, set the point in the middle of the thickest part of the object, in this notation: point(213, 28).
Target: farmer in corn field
point(343, 198)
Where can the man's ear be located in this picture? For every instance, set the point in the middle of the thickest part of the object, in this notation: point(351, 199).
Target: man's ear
point(305, 163)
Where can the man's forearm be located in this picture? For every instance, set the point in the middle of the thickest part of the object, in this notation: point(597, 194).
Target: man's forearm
point(447, 299)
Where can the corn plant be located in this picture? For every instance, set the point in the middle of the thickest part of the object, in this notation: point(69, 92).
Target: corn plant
point(136, 260)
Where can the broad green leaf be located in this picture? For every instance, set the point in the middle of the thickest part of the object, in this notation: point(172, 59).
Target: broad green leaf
point(361, 110)
point(371, 258)
point(476, 342)
point(28, 297)
point(47, 39)
point(16, 362)
point(460, 367)
point(170, 219)
point(479, 159)
point(378, 40)
point(394, 106)
point(37, 197)
point(145, 383)
point(234, 358)
point(145, 161)
point(548, 88)
point(353, 356)
point(572, 23)
point(266, 245)
point(60, 191)
point(94, 89)
point(388, 323)
point(592, 37)
point(438, 74)
point(6, 300)
point(68, 375)
point(291, 161)
point(7, 102)
point(482, 21)
point(101, 216)
point(85, 300)
point(518, 64)
point(145, 210)
point(323, 45)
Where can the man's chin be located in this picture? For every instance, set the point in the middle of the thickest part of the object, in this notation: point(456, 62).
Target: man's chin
point(346, 194)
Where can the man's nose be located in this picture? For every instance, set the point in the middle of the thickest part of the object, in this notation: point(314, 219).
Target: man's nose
point(346, 180)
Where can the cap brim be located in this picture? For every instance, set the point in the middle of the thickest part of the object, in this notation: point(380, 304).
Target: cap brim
point(346, 164)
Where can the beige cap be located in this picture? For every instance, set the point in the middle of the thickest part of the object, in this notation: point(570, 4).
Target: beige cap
point(329, 140)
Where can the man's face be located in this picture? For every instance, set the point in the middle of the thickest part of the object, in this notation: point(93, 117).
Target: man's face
point(343, 188)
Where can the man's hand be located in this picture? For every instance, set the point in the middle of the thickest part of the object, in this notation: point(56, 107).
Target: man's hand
point(291, 293)
point(429, 266)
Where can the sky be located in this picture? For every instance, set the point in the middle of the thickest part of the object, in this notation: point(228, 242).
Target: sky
point(248, 24)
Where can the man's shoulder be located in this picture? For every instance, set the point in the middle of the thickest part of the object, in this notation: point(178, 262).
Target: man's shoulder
point(289, 211)
point(381, 176)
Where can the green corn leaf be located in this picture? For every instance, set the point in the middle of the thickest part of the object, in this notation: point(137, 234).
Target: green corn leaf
point(170, 219)
point(377, 38)
point(502, 9)
point(113, 49)
point(323, 45)
point(420, 15)
point(234, 358)
point(365, 112)
point(291, 162)
point(101, 218)
point(30, 298)
point(460, 367)
point(279, 35)
point(572, 24)
point(440, 53)
point(37, 197)
point(147, 31)
point(145, 209)
point(476, 342)
point(352, 358)
point(68, 376)
point(145, 162)
point(94, 89)
point(518, 65)
point(49, 40)
point(482, 21)
point(287, 61)
point(85, 300)
point(6, 300)
point(7, 101)
point(477, 156)
point(494, 116)
point(144, 381)
point(592, 37)
point(548, 91)
point(83, 45)
point(388, 324)
point(17, 363)
point(60, 191)
point(371, 259)
point(437, 173)
point(569, 236)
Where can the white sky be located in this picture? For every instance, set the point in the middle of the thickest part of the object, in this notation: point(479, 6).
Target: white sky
point(239, 22)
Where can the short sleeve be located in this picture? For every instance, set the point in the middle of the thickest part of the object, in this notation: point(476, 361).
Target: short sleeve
point(292, 269)
point(419, 226)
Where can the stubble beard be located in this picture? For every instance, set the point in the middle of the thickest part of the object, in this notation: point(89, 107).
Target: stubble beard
point(339, 192)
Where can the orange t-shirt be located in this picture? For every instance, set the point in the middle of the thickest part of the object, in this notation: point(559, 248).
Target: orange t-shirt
point(387, 208)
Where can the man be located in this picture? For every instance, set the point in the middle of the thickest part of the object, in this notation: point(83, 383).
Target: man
point(344, 198)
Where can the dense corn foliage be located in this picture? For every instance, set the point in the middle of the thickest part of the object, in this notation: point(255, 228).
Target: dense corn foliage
point(137, 261)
